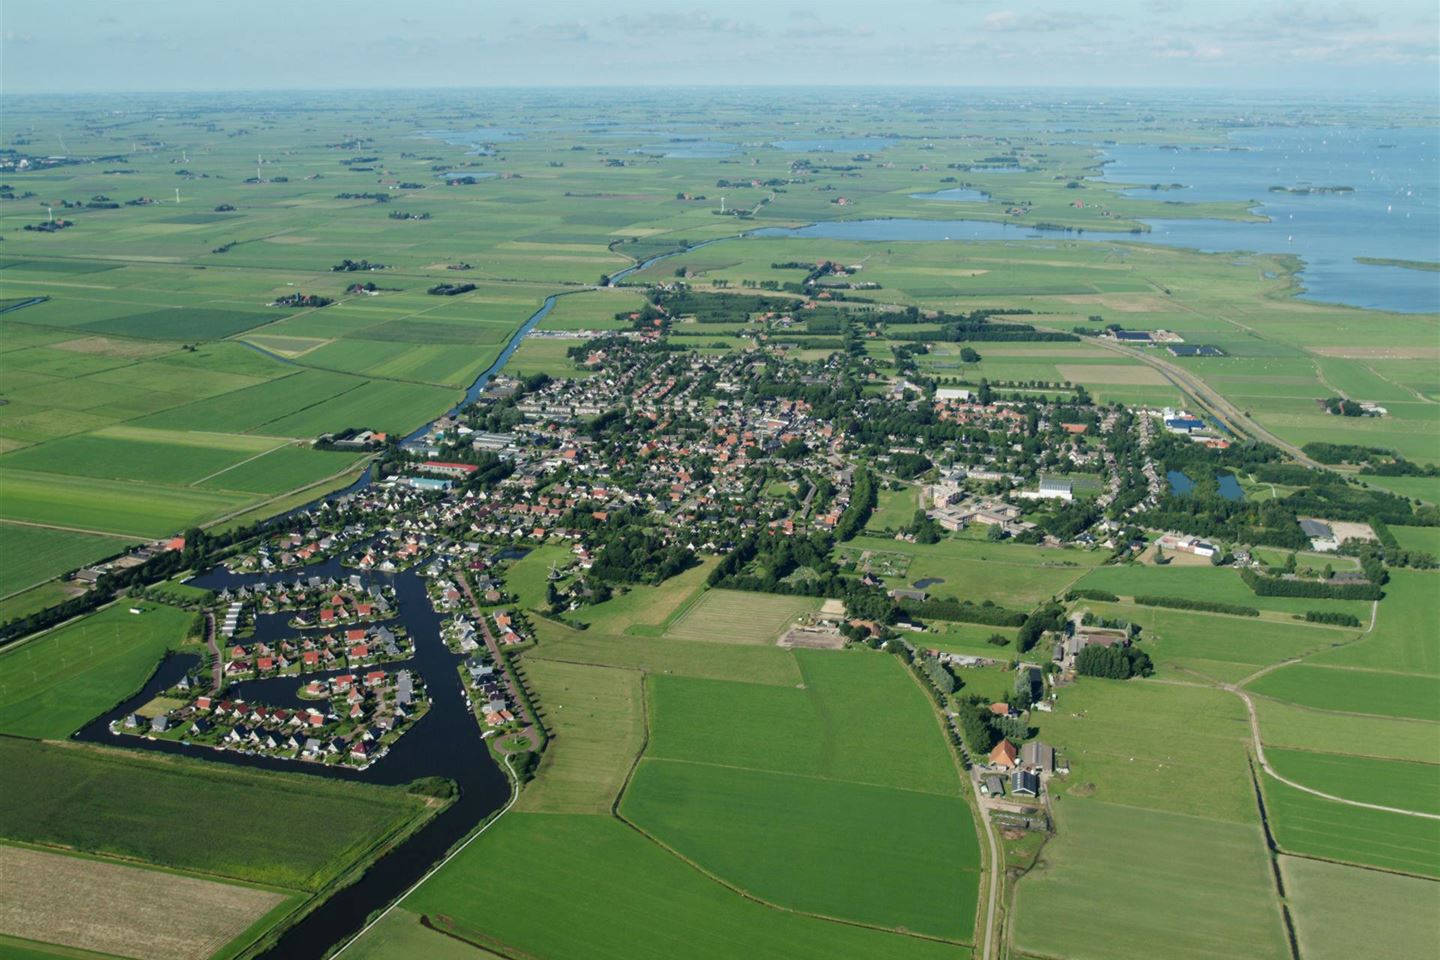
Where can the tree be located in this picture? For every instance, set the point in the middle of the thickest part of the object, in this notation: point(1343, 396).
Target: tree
point(995, 533)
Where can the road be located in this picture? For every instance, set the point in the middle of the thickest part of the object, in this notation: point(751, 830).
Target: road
point(1223, 410)
point(501, 661)
point(992, 901)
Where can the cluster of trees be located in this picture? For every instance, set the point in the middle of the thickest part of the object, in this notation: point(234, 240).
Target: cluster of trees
point(939, 675)
point(1333, 453)
point(1314, 589)
point(963, 611)
point(450, 289)
point(908, 466)
point(1049, 616)
point(1331, 617)
point(1089, 594)
point(1341, 407)
point(862, 503)
point(298, 299)
point(351, 266)
point(1398, 556)
point(1204, 606)
point(634, 555)
point(766, 563)
point(1113, 663)
point(977, 327)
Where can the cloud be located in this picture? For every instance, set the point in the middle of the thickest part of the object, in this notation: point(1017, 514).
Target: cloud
point(677, 23)
point(1164, 6)
point(1038, 21)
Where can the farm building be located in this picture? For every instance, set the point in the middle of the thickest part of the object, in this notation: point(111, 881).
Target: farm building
point(1023, 783)
point(1004, 755)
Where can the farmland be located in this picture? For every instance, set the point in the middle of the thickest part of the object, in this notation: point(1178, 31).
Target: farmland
point(1394, 783)
point(1313, 826)
point(291, 831)
point(126, 910)
point(55, 684)
point(1195, 888)
point(1373, 692)
point(1336, 909)
point(36, 554)
point(727, 616)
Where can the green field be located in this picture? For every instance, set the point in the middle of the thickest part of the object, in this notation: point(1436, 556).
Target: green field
point(731, 616)
point(1313, 826)
point(1218, 584)
point(1391, 783)
point(1339, 909)
point(1403, 638)
point(877, 855)
point(35, 554)
point(1012, 575)
point(563, 861)
point(53, 685)
point(1193, 888)
point(288, 830)
point(1289, 725)
point(108, 506)
point(1354, 691)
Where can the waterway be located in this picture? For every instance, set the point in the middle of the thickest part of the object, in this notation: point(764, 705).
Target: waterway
point(445, 742)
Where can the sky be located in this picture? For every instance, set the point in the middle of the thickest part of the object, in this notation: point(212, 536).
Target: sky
point(64, 46)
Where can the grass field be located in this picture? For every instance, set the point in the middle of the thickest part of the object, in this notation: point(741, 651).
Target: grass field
point(287, 830)
point(1338, 911)
point(55, 684)
point(108, 506)
point(877, 855)
point(1012, 575)
point(740, 724)
point(1162, 747)
point(1207, 583)
point(401, 935)
point(1289, 725)
point(564, 861)
point(1194, 889)
point(125, 910)
point(730, 616)
point(1403, 638)
point(35, 554)
point(1313, 826)
point(597, 717)
point(1354, 691)
point(1391, 783)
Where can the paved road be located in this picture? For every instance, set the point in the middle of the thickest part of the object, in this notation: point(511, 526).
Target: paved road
point(988, 948)
point(500, 661)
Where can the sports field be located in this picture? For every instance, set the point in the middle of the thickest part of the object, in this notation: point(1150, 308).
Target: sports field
point(732, 616)
point(129, 911)
point(53, 685)
point(1193, 889)
point(1337, 910)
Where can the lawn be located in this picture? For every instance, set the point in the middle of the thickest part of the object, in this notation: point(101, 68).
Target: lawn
point(1354, 691)
point(894, 509)
point(574, 906)
point(1181, 887)
point(1339, 910)
point(53, 685)
point(288, 830)
point(731, 616)
point(400, 934)
point(877, 855)
point(1391, 783)
point(1313, 826)
point(645, 609)
point(35, 554)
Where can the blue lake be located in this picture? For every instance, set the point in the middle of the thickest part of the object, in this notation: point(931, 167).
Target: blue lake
point(1230, 488)
point(472, 174)
point(1391, 212)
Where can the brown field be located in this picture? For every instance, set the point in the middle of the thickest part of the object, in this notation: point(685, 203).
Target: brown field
point(120, 910)
point(1112, 373)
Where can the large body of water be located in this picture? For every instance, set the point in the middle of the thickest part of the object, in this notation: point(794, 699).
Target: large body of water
point(1392, 211)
